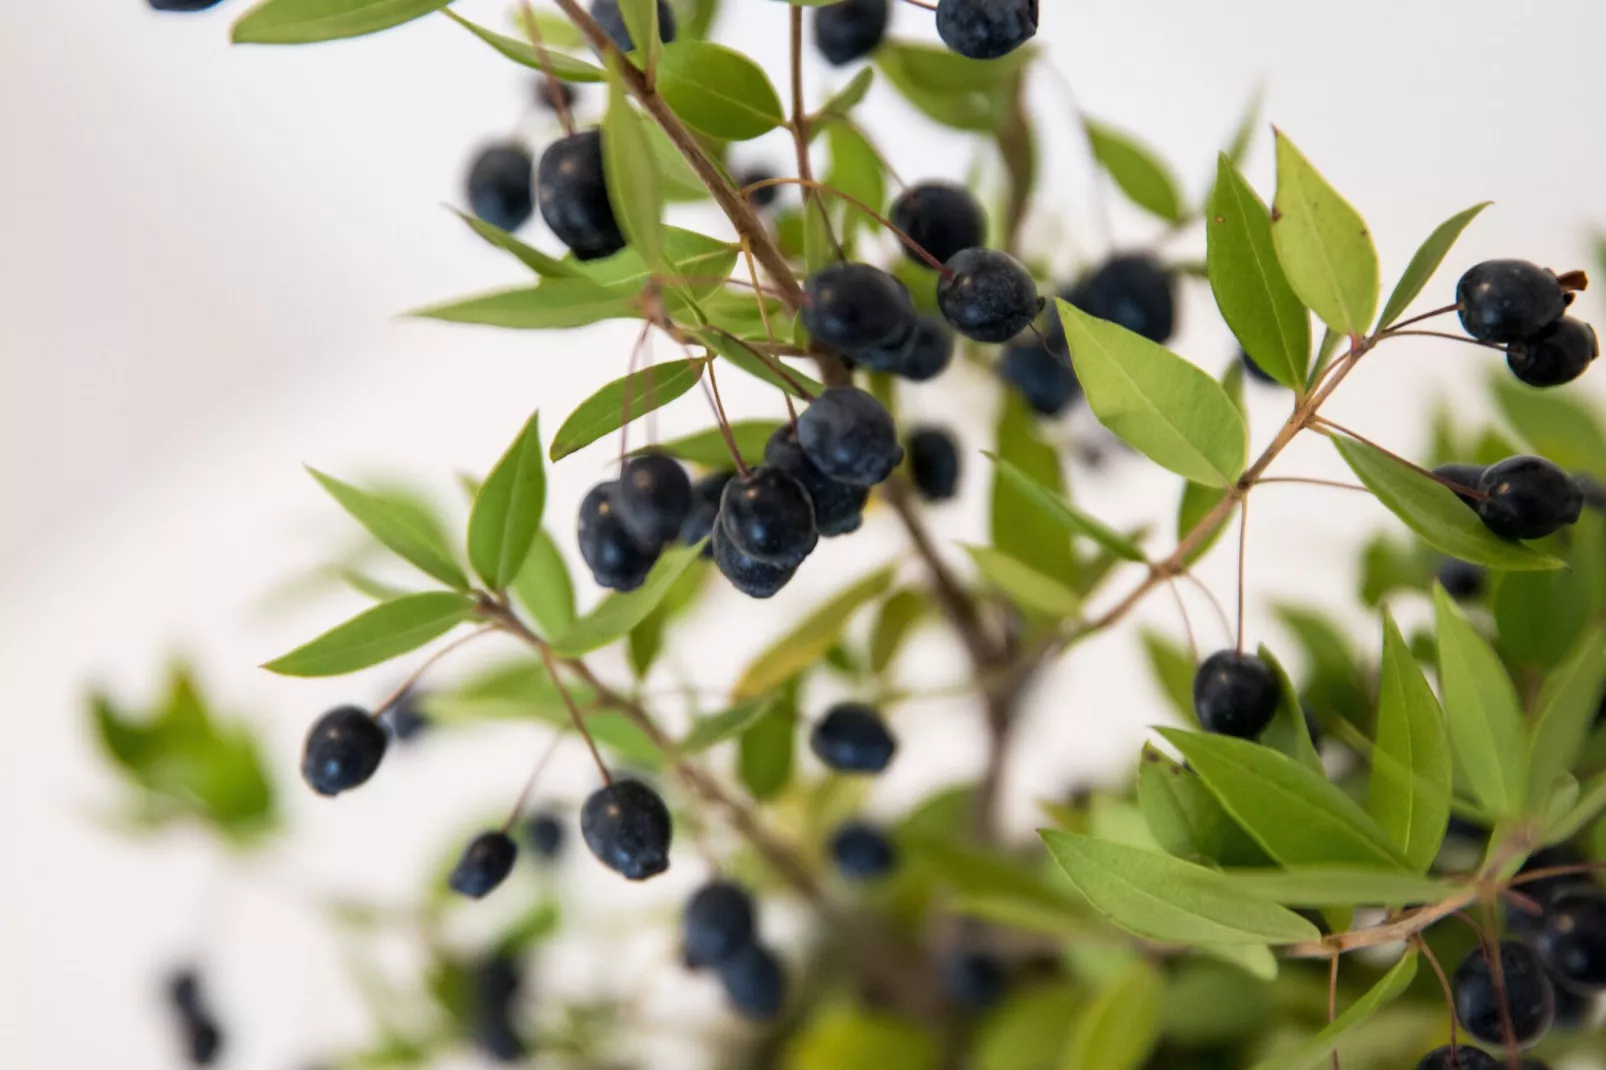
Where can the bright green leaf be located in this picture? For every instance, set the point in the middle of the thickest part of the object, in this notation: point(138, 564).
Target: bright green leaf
point(508, 509)
point(1174, 670)
point(1024, 585)
point(726, 725)
point(296, 22)
point(1288, 734)
point(1483, 713)
point(633, 184)
point(718, 91)
point(1323, 244)
point(1185, 819)
point(710, 450)
point(899, 614)
point(551, 62)
point(529, 256)
point(1054, 505)
point(851, 95)
point(1568, 706)
point(1412, 770)
point(543, 586)
point(399, 527)
point(619, 613)
point(630, 398)
point(556, 304)
point(703, 262)
point(808, 642)
point(1137, 170)
point(1315, 1052)
point(1540, 615)
point(1425, 263)
point(1121, 1027)
point(1019, 526)
point(388, 630)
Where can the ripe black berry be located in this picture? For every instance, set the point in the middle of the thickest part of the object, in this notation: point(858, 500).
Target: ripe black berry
point(852, 738)
point(549, 92)
point(856, 306)
point(203, 1041)
point(838, 507)
point(705, 497)
point(343, 749)
point(184, 991)
point(1508, 300)
point(934, 463)
point(1462, 475)
point(485, 864)
point(717, 924)
point(616, 560)
point(941, 218)
point(850, 437)
point(653, 497)
point(573, 196)
point(546, 835)
point(975, 980)
point(501, 186)
point(626, 825)
point(1528, 498)
point(1044, 379)
point(1529, 997)
point(754, 983)
point(1255, 371)
point(182, 5)
point(1572, 942)
point(1462, 580)
point(1558, 354)
point(747, 574)
point(1135, 292)
point(862, 852)
point(1544, 890)
point(768, 516)
point(986, 29)
point(988, 296)
point(924, 355)
point(606, 12)
point(1574, 1009)
point(1463, 1058)
point(1235, 694)
point(764, 196)
point(850, 30)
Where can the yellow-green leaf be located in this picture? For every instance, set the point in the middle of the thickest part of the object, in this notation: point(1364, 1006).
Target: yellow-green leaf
point(1324, 245)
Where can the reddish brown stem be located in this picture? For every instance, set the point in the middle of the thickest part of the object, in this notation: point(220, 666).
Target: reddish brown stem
point(554, 94)
point(819, 187)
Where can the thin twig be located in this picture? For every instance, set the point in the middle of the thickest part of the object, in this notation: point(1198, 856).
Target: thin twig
point(1326, 426)
point(1448, 337)
point(1210, 596)
point(1393, 328)
point(1444, 982)
point(1332, 1000)
point(535, 774)
point(1311, 482)
point(554, 91)
point(574, 713)
point(418, 674)
point(819, 187)
point(1187, 625)
point(724, 422)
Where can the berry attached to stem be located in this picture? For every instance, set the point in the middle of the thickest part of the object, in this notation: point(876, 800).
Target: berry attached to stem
point(850, 437)
point(940, 218)
point(988, 296)
point(501, 186)
point(653, 498)
point(1529, 999)
point(343, 749)
point(768, 516)
point(573, 195)
point(1528, 498)
point(1235, 694)
point(616, 559)
point(749, 575)
point(627, 827)
point(1505, 301)
point(856, 306)
point(851, 29)
point(485, 864)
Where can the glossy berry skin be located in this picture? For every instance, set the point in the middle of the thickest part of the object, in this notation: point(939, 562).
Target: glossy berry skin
point(1235, 694)
point(1505, 301)
point(942, 218)
point(626, 825)
point(986, 29)
point(717, 924)
point(924, 355)
point(1462, 580)
point(850, 30)
point(606, 12)
point(705, 497)
point(754, 983)
point(838, 507)
point(856, 306)
point(747, 574)
point(850, 437)
point(987, 296)
point(862, 852)
point(1528, 498)
point(501, 186)
point(616, 560)
point(485, 864)
point(1462, 475)
point(1528, 995)
point(934, 463)
point(768, 516)
point(1572, 942)
point(1044, 379)
point(343, 749)
point(653, 498)
point(975, 980)
point(573, 196)
point(1464, 1058)
point(546, 835)
point(1558, 354)
point(1135, 292)
point(852, 738)
point(182, 5)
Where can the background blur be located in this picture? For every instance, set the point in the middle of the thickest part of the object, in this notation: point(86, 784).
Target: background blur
point(203, 254)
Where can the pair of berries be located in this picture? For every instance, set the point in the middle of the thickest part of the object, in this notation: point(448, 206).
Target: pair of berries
point(1523, 306)
point(505, 187)
point(198, 1028)
point(980, 29)
point(1520, 497)
point(495, 985)
point(719, 932)
point(626, 523)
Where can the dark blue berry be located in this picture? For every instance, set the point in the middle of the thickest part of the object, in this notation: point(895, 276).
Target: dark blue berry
point(924, 355)
point(987, 296)
point(573, 195)
point(1460, 476)
point(203, 1041)
point(749, 575)
point(404, 720)
point(546, 834)
point(986, 29)
point(1462, 580)
point(852, 738)
point(1460, 1058)
point(717, 924)
point(1255, 371)
point(850, 437)
point(1505, 301)
point(1528, 498)
point(856, 306)
point(495, 985)
point(705, 498)
point(607, 14)
point(1135, 292)
point(975, 980)
point(550, 92)
point(182, 5)
point(626, 825)
point(343, 749)
point(501, 186)
point(616, 560)
point(1558, 354)
point(1235, 694)
point(1529, 997)
point(940, 218)
point(850, 30)
point(754, 983)
point(838, 507)
point(1572, 941)
point(768, 516)
point(862, 852)
point(934, 463)
point(1045, 379)
point(484, 865)
point(764, 196)
point(653, 498)
point(1544, 890)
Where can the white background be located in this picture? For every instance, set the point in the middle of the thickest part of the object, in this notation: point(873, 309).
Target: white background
point(203, 251)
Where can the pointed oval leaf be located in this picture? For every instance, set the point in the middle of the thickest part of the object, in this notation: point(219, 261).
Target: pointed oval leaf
point(1168, 409)
point(809, 641)
point(849, 96)
point(398, 527)
point(1054, 505)
point(718, 91)
point(297, 22)
point(508, 508)
point(633, 184)
point(1137, 169)
point(1425, 263)
point(899, 614)
point(726, 725)
point(633, 396)
point(742, 356)
point(1313, 1053)
point(703, 262)
point(1559, 425)
point(1024, 585)
point(1483, 713)
point(767, 754)
point(1120, 1028)
point(1288, 733)
point(1568, 706)
point(1330, 886)
point(543, 586)
point(556, 304)
point(1412, 772)
point(1018, 527)
point(1186, 819)
point(619, 613)
point(528, 255)
point(388, 630)
point(551, 62)
point(1323, 244)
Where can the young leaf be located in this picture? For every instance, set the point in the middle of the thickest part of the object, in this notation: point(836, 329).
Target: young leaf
point(1288, 734)
point(528, 255)
point(1557, 424)
point(507, 510)
point(1024, 585)
point(1166, 408)
point(726, 725)
point(1483, 712)
point(1121, 1027)
point(1425, 263)
point(1054, 505)
point(554, 63)
point(1409, 794)
point(1293, 812)
point(1434, 512)
point(1323, 244)
point(1568, 705)
point(808, 642)
point(633, 396)
point(1141, 174)
point(1314, 1053)
point(388, 630)
point(633, 187)
point(1162, 898)
point(1248, 281)
point(849, 96)
point(768, 748)
point(1019, 527)
point(718, 91)
point(543, 587)
point(899, 614)
point(297, 22)
point(1591, 801)
point(709, 449)
point(1328, 886)
point(399, 528)
point(620, 613)
point(556, 304)
point(1185, 819)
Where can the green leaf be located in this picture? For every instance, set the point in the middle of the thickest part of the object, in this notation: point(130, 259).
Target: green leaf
point(849, 96)
point(741, 355)
point(1568, 705)
point(543, 587)
point(1137, 170)
point(1247, 279)
point(1162, 898)
point(631, 397)
point(556, 304)
point(1329, 886)
point(620, 613)
point(1199, 500)
point(1174, 670)
point(1425, 263)
point(554, 63)
point(1121, 1027)
point(1168, 409)
point(641, 23)
point(844, 1037)
point(1288, 734)
point(1029, 1028)
point(508, 509)
point(808, 642)
point(1054, 505)
point(1314, 1052)
point(768, 748)
point(857, 171)
point(1433, 511)
point(718, 91)
point(1412, 772)
point(704, 261)
point(647, 638)
point(633, 186)
point(962, 93)
point(388, 630)
point(1185, 819)
point(1483, 712)
point(1024, 585)
point(297, 22)
point(529, 256)
point(709, 449)
point(726, 725)
point(899, 614)
point(1540, 615)
point(1325, 351)
point(1019, 527)
point(1290, 810)
point(1591, 801)
point(399, 527)
point(1323, 244)
point(1559, 425)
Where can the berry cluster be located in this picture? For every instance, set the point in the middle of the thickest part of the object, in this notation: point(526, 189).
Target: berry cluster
point(1522, 306)
point(719, 931)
